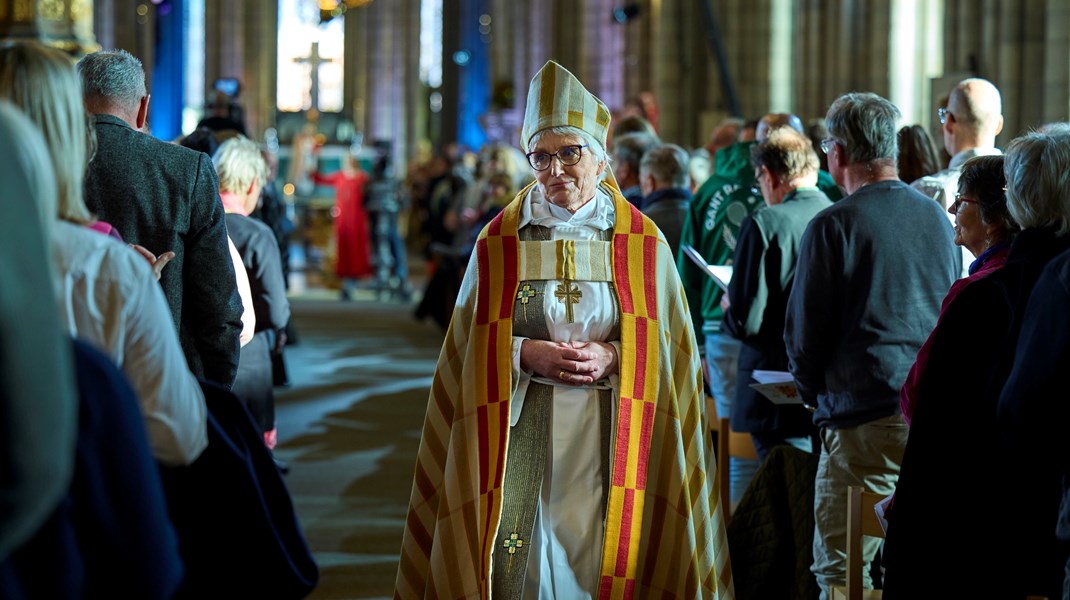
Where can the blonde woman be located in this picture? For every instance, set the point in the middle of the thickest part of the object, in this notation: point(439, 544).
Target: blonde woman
point(107, 293)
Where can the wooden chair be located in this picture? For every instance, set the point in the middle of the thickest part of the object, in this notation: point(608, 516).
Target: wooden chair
point(861, 520)
point(730, 443)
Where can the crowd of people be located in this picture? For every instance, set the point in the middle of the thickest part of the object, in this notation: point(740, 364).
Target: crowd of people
point(894, 286)
point(166, 296)
point(917, 301)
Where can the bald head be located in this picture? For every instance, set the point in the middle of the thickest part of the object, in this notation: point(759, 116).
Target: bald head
point(976, 115)
point(774, 121)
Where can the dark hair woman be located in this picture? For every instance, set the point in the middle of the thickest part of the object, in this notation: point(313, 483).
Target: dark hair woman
point(956, 441)
point(917, 156)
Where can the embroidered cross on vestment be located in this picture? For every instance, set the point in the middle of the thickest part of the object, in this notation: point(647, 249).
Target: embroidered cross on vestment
point(514, 543)
point(569, 294)
point(526, 293)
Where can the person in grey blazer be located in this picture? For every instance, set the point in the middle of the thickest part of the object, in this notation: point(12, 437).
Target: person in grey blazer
point(166, 198)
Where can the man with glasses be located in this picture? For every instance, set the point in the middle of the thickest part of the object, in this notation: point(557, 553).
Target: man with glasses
point(872, 271)
point(765, 260)
point(970, 123)
point(712, 228)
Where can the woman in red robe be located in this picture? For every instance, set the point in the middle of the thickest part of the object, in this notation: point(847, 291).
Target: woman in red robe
point(350, 222)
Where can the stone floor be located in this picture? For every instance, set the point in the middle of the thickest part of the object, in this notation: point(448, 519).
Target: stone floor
point(349, 425)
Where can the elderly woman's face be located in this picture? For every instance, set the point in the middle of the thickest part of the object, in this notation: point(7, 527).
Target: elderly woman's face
point(568, 186)
point(970, 231)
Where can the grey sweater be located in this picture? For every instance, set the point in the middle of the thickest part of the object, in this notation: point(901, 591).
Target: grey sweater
point(873, 270)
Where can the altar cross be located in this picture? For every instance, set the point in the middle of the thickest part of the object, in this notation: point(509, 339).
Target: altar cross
point(567, 293)
point(315, 61)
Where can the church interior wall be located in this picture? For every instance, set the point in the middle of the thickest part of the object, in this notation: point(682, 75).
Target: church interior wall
point(836, 46)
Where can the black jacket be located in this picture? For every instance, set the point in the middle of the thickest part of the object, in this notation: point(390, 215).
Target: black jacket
point(668, 208)
point(166, 198)
point(765, 260)
point(962, 489)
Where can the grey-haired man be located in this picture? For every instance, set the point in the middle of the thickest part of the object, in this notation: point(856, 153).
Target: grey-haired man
point(873, 270)
point(166, 198)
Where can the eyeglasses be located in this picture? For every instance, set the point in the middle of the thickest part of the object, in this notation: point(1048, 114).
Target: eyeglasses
point(943, 114)
point(960, 200)
point(756, 189)
point(826, 145)
point(567, 156)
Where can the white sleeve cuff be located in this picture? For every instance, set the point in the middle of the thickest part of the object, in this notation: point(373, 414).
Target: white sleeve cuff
point(521, 379)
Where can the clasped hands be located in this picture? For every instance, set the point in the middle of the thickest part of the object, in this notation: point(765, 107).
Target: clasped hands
point(574, 363)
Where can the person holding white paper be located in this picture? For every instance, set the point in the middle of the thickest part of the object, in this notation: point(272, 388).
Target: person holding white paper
point(786, 174)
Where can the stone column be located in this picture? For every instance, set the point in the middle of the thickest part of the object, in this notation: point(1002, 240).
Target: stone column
point(123, 24)
point(386, 118)
point(601, 64)
point(668, 69)
point(1055, 80)
point(259, 68)
point(414, 93)
point(446, 119)
point(356, 55)
point(505, 33)
point(530, 38)
point(224, 41)
point(841, 46)
point(1021, 47)
point(563, 39)
point(382, 82)
point(241, 41)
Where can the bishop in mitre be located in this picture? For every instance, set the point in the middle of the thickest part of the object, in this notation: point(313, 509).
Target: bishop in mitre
point(565, 451)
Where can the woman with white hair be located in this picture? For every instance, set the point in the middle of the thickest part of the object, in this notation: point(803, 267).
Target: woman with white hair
point(565, 451)
point(957, 441)
point(108, 295)
point(242, 174)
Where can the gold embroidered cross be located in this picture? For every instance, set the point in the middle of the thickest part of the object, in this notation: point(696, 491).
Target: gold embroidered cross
point(514, 543)
point(526, 293)
point(568, 294)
